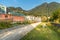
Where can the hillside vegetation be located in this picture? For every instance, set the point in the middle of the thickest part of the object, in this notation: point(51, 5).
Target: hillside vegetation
point(45, 9)
point(40, 10)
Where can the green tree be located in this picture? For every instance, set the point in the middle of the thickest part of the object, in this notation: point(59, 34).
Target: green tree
point(55, 15)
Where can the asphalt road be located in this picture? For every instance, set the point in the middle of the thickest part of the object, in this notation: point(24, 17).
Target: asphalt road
point(18, 32)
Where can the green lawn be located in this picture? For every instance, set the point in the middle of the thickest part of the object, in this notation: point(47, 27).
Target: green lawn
point(4, 25)
point(40, 33)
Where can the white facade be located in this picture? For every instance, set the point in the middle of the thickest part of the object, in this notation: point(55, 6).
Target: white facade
point(2, 9)
point(29, 17)
point(38, 19)
point(33, 18)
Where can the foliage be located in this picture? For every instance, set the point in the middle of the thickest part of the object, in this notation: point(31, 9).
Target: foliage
point(17, 9)
point(44, 18)
point(20, 23)
point(55, 28)
point(40, 33)
point(45, 9)
point(40, 10)
point(55, 15)
point(4, 25)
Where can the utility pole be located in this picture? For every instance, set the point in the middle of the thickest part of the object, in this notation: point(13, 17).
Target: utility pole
point(47, 13)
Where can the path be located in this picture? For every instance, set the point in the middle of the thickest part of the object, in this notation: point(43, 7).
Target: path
point(18, 33)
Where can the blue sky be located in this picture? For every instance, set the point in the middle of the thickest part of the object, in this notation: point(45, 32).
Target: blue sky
point(25, 4)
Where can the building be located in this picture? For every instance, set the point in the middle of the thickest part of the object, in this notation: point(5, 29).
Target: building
point(5, 17)
point(33, 18)
point(11, 16)
point(2, 9)
point(17, 16)
point(38, 19)
point(30, 17)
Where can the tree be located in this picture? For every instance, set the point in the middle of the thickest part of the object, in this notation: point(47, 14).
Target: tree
point(55, 15)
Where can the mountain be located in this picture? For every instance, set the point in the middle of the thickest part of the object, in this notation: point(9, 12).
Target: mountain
point(17, 9)
point(45, 9)
point(40, 10)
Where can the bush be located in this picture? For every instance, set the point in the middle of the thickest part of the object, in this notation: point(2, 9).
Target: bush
point(55, 15)
point(55, 28)
point(20, 23)
point(44, 18)
point(4, 25)
point(26, 22)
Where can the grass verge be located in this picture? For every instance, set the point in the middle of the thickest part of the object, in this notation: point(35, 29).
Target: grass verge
point(4, 25)
point(40, 33)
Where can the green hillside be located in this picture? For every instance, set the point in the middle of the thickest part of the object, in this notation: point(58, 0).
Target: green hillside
point(45, 9)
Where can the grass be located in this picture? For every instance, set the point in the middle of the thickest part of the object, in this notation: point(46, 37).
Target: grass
point(4, 25)
point(21, 23)
point(40, 33)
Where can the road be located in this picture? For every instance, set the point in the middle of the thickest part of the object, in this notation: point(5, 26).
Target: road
point(17, 33)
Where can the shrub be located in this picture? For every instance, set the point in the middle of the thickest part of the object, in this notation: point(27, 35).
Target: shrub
point(4, 25)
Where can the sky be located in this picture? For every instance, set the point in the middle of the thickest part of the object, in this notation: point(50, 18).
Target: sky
point(25, 4)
